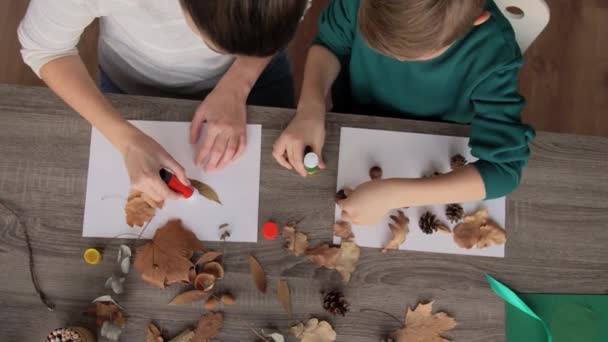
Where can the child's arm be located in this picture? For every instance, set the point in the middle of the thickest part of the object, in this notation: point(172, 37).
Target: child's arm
point(48, 34)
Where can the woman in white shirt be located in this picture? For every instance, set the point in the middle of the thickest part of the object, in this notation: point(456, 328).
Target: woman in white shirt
point(219, 50)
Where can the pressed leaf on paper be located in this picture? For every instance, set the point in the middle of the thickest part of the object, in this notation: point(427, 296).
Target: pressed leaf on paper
point(140, 209)
point(258, 274)
point(399, 228)
point(344, 230)
point(478, 230)
point(422, 325)
point(295, 242)
point(153, 334)
point(313, 330)
point(208, 326)
point(343, 259)
point(205, 190)
point(189, 297)
point(284, 296)
point(166, 259)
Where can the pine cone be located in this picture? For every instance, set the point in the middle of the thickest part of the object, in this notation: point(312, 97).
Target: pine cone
point(335, 304)
point(457, 161)
point(454, 212)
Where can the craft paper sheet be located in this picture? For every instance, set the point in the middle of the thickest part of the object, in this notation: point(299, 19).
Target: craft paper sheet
point(408, 155)
point(237, 186)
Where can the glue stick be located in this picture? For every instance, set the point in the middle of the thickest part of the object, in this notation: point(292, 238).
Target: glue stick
point(311, 161)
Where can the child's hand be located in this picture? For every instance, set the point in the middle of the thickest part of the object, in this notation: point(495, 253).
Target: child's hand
point(307, 128)
point(224, 110)
point(144, 158)
point(368, 203)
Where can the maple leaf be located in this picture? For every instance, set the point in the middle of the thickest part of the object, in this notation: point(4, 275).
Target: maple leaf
point(344, 230)
point(343, 259)
point(423, 326)
point(140, 208)
point(166, 259)
point(208, 326)
point(399, 228)
point(478, 230)
point(295, 241)
point(153, 334)
point(205, 190)
point(313, 331)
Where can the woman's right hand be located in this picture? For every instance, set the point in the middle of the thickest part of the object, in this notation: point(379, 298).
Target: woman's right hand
point(307, 128)
point(144, 158)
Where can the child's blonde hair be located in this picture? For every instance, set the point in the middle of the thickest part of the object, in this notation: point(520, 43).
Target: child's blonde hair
point(410, 29)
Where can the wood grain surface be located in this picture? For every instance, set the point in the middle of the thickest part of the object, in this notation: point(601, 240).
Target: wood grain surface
point(557, 226)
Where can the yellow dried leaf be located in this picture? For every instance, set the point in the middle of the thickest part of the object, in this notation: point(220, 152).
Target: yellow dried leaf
point(399, 228)
point(284, 296)
point(422, 325)
point(205, 190)
point(344, 230)
point(189, 297)
point(140, 209)
point(491, 234)
point(478, 230)
point(313, 331)
point(295, 241)
point(258, 274)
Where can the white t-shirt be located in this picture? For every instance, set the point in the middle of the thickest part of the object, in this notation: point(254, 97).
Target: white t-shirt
point(145, 46)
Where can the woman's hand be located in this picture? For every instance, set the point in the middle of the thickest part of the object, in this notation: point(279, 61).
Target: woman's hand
point(369, 202)
point(144, 158)
point(307, 128)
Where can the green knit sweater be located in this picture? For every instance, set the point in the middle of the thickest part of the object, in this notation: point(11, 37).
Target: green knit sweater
point(474, 82)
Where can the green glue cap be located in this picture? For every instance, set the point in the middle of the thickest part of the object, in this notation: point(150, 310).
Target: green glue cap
point(311, 162)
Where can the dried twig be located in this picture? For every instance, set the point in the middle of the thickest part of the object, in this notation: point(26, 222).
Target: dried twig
point(30, 253)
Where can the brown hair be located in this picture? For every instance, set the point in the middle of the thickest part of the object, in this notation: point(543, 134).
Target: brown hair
point(247, 27)
point(411, 28)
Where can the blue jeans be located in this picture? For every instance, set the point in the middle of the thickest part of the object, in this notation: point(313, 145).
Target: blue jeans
point(274, 87)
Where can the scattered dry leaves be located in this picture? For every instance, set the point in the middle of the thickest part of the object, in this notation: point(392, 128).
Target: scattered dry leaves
point(284, 296)
point(166, 259)
point(258, 274)
point(344, 230)
point(189, 297)
point(205, 190)
point(208, 327)
point(140, 209)
point(422, 325)
point(343, 259)
point(153, 334)
point(295, 242)
point(399, 228)
point(478, 230)
point(313, 331)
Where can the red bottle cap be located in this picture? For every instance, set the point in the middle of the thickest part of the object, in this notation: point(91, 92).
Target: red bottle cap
point(270, 230)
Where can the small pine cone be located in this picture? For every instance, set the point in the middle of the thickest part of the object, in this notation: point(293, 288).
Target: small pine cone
point(454, 212)
point(428, 223)
point(335, 304)
point(457, 161)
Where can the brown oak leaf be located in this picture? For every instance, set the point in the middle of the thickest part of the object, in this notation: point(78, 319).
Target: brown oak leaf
point(153, 334)
point(166, 259)
point(140, 208)
point(344, 230)
point(313, 330)
point(295, 241)
point(208, 326)
point(399, 228)
point(478, 230)
point(343, 259)
point(422, 325)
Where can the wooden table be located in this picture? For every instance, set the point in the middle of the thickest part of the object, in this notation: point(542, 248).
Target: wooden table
point(557, 224)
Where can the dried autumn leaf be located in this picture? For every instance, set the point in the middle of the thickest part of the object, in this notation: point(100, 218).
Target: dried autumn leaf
point(208, 327)
point(153, 334)
point(140, 209)
point(189, 297)
point(478, 230)
point(284, 296)
point(313, 331)
point(343, 259)
point(214, 268)
point(208, 257)
point(204, 282)
point(258, 274)
point(108, 312)
point(491, 234)
point(344, 230)
point(422, 325)
point(166, 259)
point(205, 190)
point(184, 336)
point(295, 241)
point(399, 228)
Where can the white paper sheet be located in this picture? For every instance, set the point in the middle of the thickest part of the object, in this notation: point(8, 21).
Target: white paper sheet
point(405, 155)
point(237, 186)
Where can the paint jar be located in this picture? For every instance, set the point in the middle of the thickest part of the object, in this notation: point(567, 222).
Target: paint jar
point(311, 162)
point(71, 334)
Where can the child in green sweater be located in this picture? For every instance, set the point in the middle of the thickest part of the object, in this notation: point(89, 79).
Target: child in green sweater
point(436, 60)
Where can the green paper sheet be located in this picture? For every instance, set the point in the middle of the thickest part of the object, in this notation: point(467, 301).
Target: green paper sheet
point(568, 317)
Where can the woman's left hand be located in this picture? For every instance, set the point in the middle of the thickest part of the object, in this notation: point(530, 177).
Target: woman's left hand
point(368, 203)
